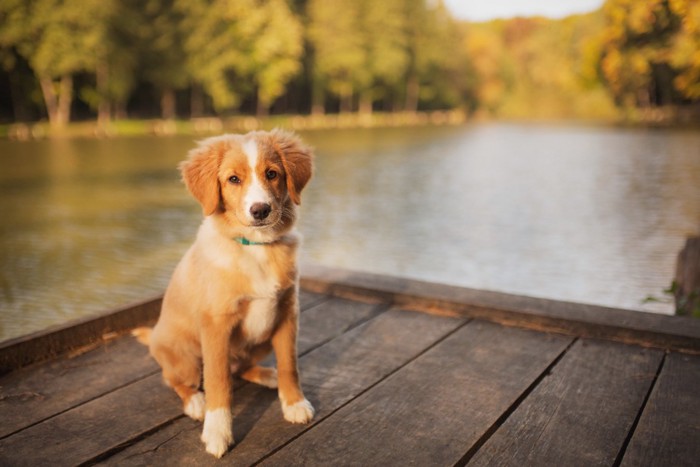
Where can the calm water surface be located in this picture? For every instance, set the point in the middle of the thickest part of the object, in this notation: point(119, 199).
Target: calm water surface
point(586, 214)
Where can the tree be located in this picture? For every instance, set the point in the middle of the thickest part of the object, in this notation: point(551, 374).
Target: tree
point(431, 36)
point(339, 51)
point(485, 46)
point(275, 51)
point(385, 55)
point(212, 48)
point(685, 53)
point(637, 41)
point(13, 18)
point(58, 38)
point(162, 54)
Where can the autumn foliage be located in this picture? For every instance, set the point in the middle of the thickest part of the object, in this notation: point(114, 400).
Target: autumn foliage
point(191, 58)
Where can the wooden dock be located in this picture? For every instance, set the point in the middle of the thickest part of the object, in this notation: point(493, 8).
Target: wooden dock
point(400, 372)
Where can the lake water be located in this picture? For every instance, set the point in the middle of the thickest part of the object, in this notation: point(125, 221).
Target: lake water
point(580, 213)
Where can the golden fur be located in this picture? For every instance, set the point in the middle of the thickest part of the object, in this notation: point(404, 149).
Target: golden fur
point(229, 304)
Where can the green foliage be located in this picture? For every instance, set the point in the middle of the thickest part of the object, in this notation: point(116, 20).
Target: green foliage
point(339, 54)
point(235, 47)
point(275, 51)
point(681, 303)
point(396, 55)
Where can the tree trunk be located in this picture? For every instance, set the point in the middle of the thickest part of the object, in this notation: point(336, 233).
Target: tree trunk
point(412, 90)
point(65, 99)
point(317, 98)
point(196, 101)
point(346, 99)
point(687, 282)
point(120, 110)
point(365, 106)
point(50, 98)
point(167, 104)
point(57, 105)
point(263, 107)
point(104, 108)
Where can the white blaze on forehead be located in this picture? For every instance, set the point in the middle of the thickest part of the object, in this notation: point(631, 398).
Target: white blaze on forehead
point(250, 148)
point(256, 192)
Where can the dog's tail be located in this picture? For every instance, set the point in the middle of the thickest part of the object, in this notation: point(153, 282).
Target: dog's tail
point(142, 335)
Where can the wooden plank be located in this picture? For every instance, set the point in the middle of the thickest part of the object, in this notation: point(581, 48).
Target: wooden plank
point(431, 411)
point(582, 411)
point(668, 432)
point(57, 340)
point(332, 375)
point(76, 435)
point(307, 299)
point(332, 318)
point(117, 412)
point(647, 329)
point(31, 395)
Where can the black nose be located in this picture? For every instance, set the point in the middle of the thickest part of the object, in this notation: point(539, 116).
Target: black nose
point(260, 211)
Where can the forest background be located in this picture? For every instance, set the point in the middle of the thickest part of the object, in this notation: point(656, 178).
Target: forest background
point(109, 60)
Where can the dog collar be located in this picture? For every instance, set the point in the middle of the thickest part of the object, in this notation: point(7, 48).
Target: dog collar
point(245, 241)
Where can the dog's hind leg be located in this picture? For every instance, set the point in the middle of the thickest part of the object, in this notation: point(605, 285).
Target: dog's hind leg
point(257, 374)
point(261, 375)
point(183, 373)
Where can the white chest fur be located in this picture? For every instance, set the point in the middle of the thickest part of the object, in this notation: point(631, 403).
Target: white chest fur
point(259, 320)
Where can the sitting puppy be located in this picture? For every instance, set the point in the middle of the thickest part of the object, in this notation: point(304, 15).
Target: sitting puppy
point(234, 295)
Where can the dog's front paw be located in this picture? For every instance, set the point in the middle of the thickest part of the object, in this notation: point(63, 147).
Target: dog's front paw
point(299, 412)
point(217, 434)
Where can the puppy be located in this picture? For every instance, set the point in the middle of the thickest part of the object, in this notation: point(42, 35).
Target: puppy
point(234, 295)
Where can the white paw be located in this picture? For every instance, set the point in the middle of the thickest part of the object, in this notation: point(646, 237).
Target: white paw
point(195, 407)
point(299, 412)
point(217, 434)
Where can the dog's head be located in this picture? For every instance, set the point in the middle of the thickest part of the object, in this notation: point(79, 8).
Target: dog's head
point(253, 181)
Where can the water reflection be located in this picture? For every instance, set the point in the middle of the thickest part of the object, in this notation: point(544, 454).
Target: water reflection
point(587, 214)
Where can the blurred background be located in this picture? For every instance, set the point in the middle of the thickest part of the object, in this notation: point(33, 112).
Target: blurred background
point(541, 148)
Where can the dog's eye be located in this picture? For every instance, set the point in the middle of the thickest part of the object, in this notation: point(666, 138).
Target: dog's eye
point(235, 180)
point(271, 174)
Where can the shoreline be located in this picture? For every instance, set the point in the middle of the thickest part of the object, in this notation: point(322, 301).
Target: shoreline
point(212, 125)
point(243, 123)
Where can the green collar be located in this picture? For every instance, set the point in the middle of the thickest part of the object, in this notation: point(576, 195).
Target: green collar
point(245, 241)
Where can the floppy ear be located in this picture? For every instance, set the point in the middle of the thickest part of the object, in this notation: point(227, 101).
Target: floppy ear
point(200, 173)
point(297, 160)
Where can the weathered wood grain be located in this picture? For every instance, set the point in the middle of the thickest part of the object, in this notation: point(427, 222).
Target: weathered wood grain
point(581, 412)
point(96, 426)
point(668, 432)
point(57, 340)
point(390, 387)
point(332, 318)
point(647, 329)
point(308, 299)
point(30, 395)
point(434, 409)
point(332, 375)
